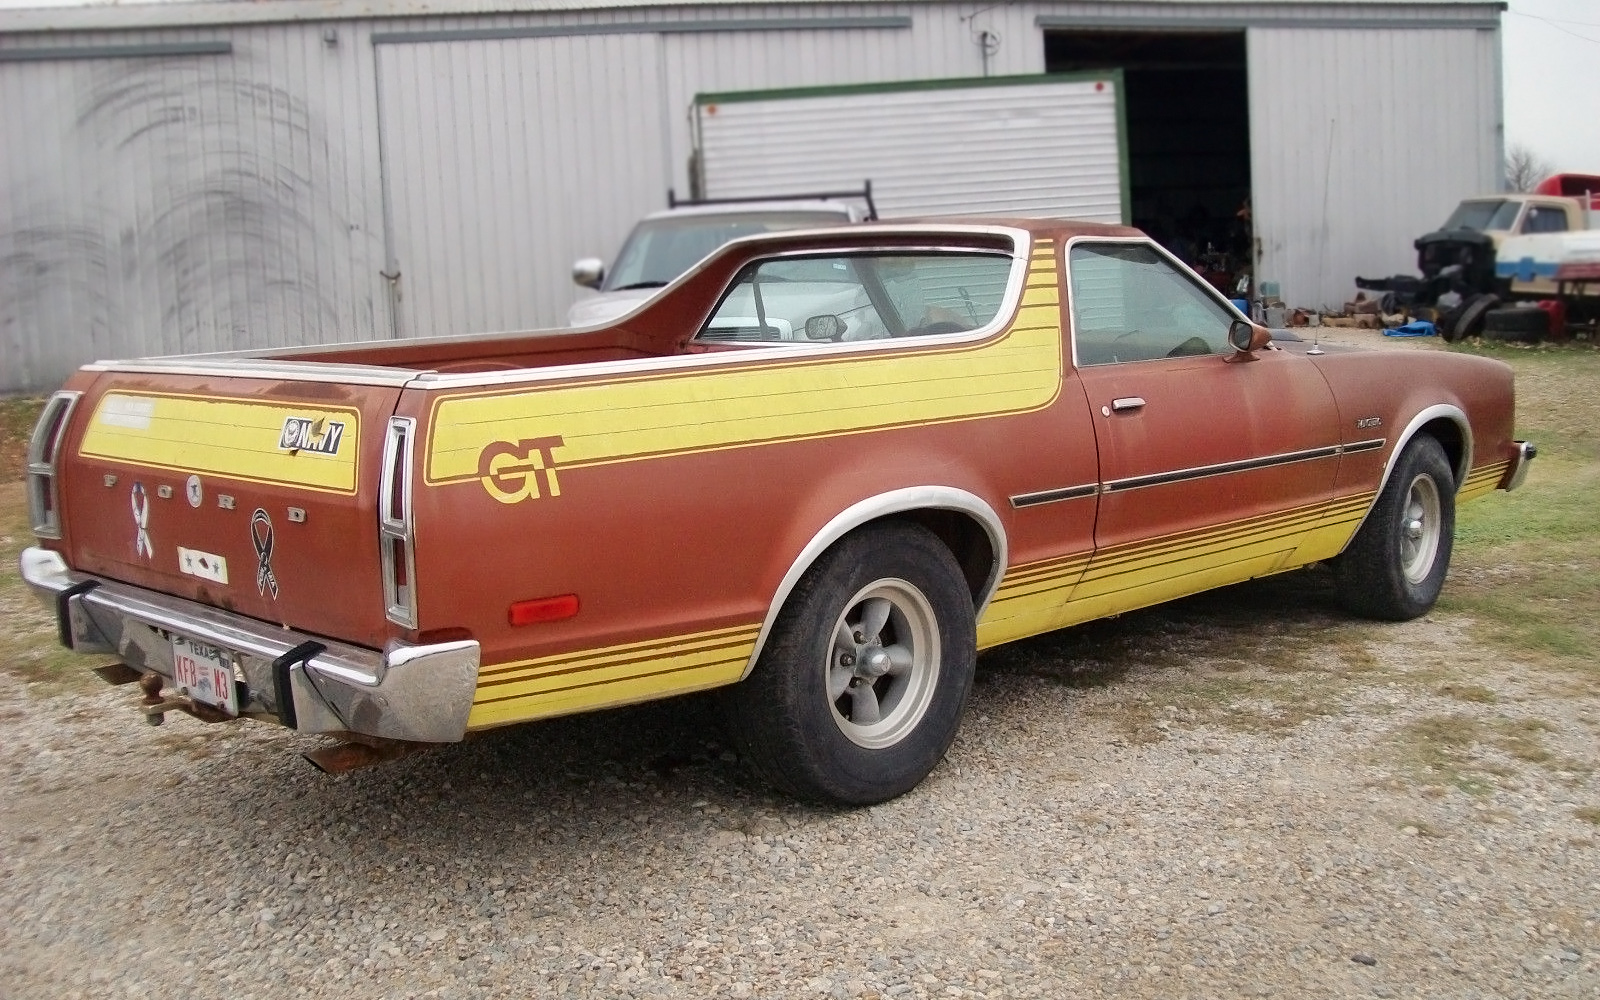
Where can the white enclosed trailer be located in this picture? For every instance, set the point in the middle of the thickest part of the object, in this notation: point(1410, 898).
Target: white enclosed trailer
point(1024, 145)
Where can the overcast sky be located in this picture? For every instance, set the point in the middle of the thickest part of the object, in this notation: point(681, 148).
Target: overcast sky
point(1552, 78)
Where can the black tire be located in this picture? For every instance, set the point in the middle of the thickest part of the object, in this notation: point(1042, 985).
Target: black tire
point(1517, 323)
point(1470, 322)
point(1395, 566)
point(813, 746)
point(1446, 323)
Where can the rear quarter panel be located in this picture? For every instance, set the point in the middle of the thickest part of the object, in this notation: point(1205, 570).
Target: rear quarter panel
point(673, 503)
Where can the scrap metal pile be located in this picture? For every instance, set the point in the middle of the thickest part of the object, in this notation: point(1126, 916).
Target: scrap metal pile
point(1517, 267)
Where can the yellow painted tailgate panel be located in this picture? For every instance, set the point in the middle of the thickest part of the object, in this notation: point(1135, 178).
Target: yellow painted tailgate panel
point(225, 437)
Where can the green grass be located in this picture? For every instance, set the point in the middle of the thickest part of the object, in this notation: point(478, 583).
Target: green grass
point(1460, 749)
point(29, 650)
point(1527, 564)
point(17, 417)
point(1475, 693)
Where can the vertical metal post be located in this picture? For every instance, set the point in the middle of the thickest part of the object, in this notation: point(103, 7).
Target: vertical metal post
point(391, 265)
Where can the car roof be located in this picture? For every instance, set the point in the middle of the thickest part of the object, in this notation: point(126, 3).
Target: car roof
point(1057, 229)
point(784, 207)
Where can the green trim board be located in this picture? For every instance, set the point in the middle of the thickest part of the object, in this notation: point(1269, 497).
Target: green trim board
point(1126, 179)
point(897, 86)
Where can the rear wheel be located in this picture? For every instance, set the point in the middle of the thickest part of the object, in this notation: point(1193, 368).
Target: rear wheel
point(862, 683)
point(1395, 566)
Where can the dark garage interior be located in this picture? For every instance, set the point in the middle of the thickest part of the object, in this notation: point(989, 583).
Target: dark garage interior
point(1188, 119)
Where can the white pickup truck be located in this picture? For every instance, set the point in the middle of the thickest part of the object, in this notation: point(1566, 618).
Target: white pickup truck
point(1552, 250)
point(1517, 250)
point(665, 244)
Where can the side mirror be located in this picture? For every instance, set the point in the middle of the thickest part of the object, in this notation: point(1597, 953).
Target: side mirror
point(588, 272)
point(824, 327)
point(1246, 337)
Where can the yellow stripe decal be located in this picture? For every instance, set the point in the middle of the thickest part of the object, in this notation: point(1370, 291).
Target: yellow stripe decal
point(606, 421)
point(618, 675)
point(1052, 594)
point(225, 437)
point(1481, 481)
point(1032, 598)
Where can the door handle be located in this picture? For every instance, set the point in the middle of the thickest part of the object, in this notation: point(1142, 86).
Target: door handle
point(1127, 403)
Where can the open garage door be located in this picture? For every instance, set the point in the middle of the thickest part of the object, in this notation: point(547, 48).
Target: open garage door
point(1188, 108)
point(1031, 146)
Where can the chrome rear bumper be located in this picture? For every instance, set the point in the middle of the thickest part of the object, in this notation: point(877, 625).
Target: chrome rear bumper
point(311, 684)
point(1525, 453)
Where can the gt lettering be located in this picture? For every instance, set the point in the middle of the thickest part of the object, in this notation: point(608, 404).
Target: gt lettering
point(525, 470)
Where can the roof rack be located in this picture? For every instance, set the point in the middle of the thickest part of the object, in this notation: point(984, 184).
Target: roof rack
point(865, 193)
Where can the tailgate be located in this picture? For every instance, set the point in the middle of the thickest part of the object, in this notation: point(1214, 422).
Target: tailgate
point(253, 495)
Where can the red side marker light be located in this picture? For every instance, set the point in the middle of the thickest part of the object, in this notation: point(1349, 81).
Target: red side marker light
point(544, 609)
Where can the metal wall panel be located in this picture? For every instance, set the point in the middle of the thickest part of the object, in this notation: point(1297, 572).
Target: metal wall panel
point(502, 159)
point(176, 203)
point(1025, 147)
point(157, 205)
point(1361, 141)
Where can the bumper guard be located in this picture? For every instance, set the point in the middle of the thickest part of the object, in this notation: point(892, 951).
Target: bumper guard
point(1525, 453)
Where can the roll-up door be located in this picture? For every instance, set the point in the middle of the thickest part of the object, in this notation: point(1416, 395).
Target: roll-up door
point(1032, 146)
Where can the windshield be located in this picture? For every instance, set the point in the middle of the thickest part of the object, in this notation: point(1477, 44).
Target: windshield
point(1496, 214)
point(659, 250)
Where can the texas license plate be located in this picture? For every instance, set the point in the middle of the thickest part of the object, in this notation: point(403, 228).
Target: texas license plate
point(204, 673)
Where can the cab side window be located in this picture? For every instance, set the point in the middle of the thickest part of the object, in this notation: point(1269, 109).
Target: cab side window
point(1545, 219)
point(1131, 303)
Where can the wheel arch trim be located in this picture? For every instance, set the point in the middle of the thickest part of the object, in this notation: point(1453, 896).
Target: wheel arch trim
point(1438, 411)
point(901, 501)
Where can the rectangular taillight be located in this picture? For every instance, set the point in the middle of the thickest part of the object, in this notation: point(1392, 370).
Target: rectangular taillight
point(44, 499)
point(396, 533)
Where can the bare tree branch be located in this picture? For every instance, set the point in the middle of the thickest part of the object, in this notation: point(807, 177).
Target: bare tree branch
point(1525, 168)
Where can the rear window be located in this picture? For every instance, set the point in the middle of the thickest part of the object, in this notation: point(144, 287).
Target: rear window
point(861, 296)
point(658, 250)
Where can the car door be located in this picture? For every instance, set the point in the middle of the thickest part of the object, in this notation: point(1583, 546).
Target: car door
point(1213, 464)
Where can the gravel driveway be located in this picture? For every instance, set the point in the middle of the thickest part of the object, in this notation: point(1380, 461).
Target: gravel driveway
point(1196, 801)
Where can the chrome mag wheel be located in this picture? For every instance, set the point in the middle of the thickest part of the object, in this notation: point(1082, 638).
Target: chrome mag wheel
point(884, 664)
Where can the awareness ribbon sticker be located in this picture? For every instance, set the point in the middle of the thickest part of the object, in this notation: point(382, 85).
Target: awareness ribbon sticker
point(262, 540)
point(141, 521)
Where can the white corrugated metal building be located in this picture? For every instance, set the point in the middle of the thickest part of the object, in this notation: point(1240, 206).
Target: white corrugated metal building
point(217, 175)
